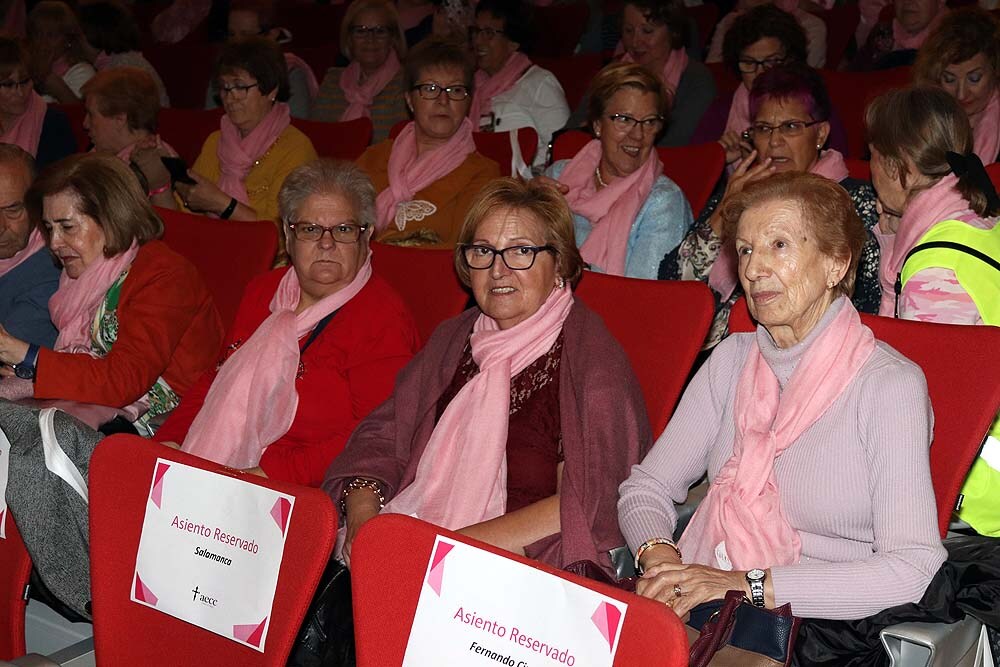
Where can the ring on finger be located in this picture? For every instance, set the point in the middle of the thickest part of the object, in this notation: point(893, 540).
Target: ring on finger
point(678, 591)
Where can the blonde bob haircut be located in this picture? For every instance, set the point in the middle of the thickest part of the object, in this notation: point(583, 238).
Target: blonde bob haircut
point(617, 76)
point(543, 203)
point(826, 209)
point(107, 191)
point(395, 30)
point(961, 35)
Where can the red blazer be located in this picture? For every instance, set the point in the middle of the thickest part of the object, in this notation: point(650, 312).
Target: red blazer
point(350, 369)
point(168, 326)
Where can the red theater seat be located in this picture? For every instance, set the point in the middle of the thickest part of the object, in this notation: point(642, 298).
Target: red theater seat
point(187, 129)
point(852, 92)
point(344, 141)
point(560, 27)
point(15, 569)
point(574, 73)
point(185, 69)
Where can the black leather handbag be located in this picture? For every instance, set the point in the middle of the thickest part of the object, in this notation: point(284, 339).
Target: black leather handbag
point(326, 638)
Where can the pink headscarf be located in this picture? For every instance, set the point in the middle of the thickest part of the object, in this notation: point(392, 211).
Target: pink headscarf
point(27, 129)
point(410, 173)
point(672, 70)
point(610, 210)
point(902, 40)
point(237, 154)
point(942, 201)
point(488, 87)
point(293, 62)
point(461, 478)
point(986, 130)
point(739, 111)
point(34, 244)
point(253, 400)
point(361, 96)
point(741, 523)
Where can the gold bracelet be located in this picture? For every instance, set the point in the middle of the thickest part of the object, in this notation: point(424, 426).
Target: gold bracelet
point(655, 541)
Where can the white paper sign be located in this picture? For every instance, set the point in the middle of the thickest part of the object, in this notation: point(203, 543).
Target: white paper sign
point(4, 467)
point(477, 608)
point(210, 551)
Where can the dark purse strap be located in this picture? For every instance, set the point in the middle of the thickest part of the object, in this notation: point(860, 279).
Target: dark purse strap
point(317, 330)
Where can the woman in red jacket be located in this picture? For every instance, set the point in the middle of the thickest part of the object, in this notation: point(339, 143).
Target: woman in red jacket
point(315, 347)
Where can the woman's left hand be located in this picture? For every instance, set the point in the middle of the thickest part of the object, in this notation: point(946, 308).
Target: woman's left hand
point(12, 350)
point(204, 196)
point(696, 583)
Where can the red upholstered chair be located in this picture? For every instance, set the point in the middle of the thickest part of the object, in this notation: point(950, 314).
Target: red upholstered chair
point(75, 113)
point(850, 94)
point(705, 17)
point(15, 569)
point(381, 571)
point(963, 378)
point(561, 27)
point(726, 81)
point(345, 141)
point(128, 633)
point(841, 22)
point(187, 129)
point(568, 144)
point(185, 69)
point(313, 24)
point(660, 324)
point(574, 73)
point(228, 253)
point(994, 171)
point(859, 169)
point(495, 145)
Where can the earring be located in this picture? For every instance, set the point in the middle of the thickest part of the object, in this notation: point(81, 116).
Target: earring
point(819, 147)
point(830, 285)
point(560, 282)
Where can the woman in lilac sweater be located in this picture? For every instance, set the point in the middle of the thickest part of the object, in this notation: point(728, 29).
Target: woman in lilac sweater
point(820, 496)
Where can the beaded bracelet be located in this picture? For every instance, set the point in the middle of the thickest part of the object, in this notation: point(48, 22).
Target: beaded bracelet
point(361, 483)
point(160, 190)
point(656, 541)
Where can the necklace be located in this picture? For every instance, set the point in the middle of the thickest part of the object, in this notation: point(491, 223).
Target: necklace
point(597, 174)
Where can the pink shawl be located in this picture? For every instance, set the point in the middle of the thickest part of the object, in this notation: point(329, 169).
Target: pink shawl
point(739, 111)
point(939, 202)
point(741, 523)
point(237, 154)
point(986, 130)
point(611, 210)
point(253, 400)
point(902, 40)
point(488, 87)
point(35, 243)
point(125, 154)
point(461, 477)
point(672, 70)
point(293, 62)
point(27, 129)
point(361, 96)
point(410, 173)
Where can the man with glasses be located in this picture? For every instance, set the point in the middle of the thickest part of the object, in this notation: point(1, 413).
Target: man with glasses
point(28, 276)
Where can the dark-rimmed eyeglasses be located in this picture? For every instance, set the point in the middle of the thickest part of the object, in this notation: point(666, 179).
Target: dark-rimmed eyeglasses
point(378, 32)
point(346, 232)
point(432, 91)
point(517, 258)
point(751, 65)
point(790, 128)
point(237, 91)
point(624, 123)
point(487, 33)
point(9, 85)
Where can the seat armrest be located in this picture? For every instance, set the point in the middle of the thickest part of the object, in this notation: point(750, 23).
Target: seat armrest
point(932, 644)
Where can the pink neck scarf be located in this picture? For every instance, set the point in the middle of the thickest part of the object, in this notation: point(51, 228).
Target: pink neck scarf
point(939, 202)
point(672, 70)
point(610, 210)
point(410, 173)
point(253, 400)
point(293, 62)
point(27, 129)
point(35, 243)
point(830, 165)
point(489, 86)
point(902, 40)
point(739, 111)
point(741, 524)
point(986, 130)
point(125, 154)
point(461, 478)
point(75, 303)
point(361, 96)
point(237, 154)
point(102, 61)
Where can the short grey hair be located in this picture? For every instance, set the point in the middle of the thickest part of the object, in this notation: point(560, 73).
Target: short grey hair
point(14, 154)
point(328, 177)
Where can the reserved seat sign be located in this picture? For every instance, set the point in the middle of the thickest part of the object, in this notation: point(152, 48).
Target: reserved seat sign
point(478, 608)
point(210, 551)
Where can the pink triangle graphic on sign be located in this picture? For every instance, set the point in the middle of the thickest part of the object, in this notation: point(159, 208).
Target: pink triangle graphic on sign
point(251, 634)
point(142, 593)
point(156, 495)
point(436, 575)
point(280, 513)
point(606, 618)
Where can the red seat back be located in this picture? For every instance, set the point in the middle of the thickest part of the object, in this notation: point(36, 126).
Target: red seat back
point(705, 17)
point(185, 70)
point(129, 633)
point(15, 569)
point(227, 253)
point(852, 92)
point(726, 81)
point(994, 171)
point(187, 129)
point(320, 58)
point(560, 27)
point(660, 324)
point(381, 572)
point(311, 23)
point(859, 169)
point(425, 279)
point(345, 141)
point(75, 113)
point(841, 23)
point(962, 368)
point(495, 145)
point(574, 73)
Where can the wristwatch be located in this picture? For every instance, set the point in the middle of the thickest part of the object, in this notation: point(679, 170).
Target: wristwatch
point(26, 369)
point(755, 578)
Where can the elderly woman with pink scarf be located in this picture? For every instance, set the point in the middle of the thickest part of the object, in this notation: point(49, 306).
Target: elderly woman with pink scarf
point(895, 43)
point(519, 417)
point(808, 471)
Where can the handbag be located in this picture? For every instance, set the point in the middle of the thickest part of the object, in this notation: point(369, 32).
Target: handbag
point(326, 638)
point(735, 632)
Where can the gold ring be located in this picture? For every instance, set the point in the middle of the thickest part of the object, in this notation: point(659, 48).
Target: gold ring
point(678, 591)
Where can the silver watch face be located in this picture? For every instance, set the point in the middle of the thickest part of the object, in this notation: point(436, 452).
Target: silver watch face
point(756, 574)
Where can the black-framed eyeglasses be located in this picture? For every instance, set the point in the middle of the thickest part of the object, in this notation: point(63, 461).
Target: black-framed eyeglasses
point(432, 91)
point(488, 33)
point(238, 91)
point(517, 257)
point(345, 232)
point(10, 84)
point(790, 128)
point(378, 32)
point(624, 123)
point(751, 65)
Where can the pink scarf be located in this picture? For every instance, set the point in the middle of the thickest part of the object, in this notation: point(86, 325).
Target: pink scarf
point(410, 173)
point(253, 400)
point(75, 303)
point(361, 96)
point(237, 154)
point(27, 129)
point(902, 40)
point(461, 478)
point(724, 274)
point(672, 70)
point(986, 130)
point(35, 243)
point(125, 154)
point(488, 87)
point(610, 210)
point(739, 111)
point(293, 62)
point(741, 524)
point(102, 61)
point(939, 202)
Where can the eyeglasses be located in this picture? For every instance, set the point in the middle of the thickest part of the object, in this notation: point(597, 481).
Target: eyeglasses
point(236, 91)
point(750, 65)
point(12, 211)
point(432, 91)
point(377, 32)
point(487, 33)
point(624, 123)
point(517, 258)
point(790, 128)
point(345, 232)
point(10, 85)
